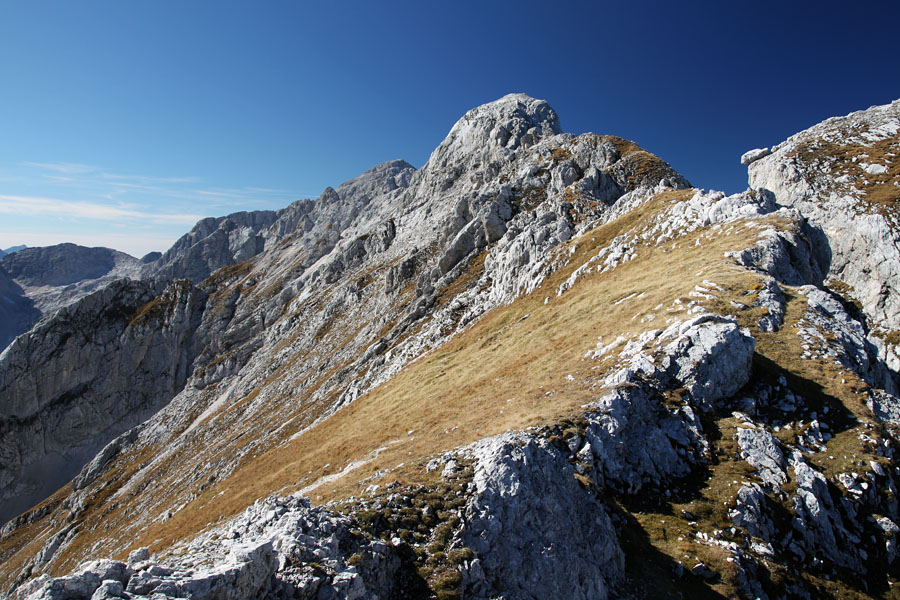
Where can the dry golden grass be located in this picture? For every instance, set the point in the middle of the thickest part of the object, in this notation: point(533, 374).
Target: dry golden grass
point(25, 542)
point(508, 371)
point(879, 190)
point(560, 154)
point(503, 373)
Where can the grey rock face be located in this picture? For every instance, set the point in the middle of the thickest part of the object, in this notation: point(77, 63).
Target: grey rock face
point(108, 362)
point(11, 250)
point(248, 574)
point(64, 264)
point(535, 531)
point(818, 520)
point(493, 131)
point(841, 337)
point(212, 243)
point(17, 310)
point(635, 440)
point(711, 356)
point(751, 513)
point(788, 257)
point(754, 155)
point(772, 299)
point(94, 370)
point(94, 469)
point(280, 548)
point(760, 448)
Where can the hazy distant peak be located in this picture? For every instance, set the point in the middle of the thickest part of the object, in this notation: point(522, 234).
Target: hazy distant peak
point(64, 264)
point(11, 250)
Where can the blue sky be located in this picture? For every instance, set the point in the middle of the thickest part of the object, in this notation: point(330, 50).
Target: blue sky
point(122, 123)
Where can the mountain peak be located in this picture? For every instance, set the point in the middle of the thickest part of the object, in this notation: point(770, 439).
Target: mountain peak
point(502, 125)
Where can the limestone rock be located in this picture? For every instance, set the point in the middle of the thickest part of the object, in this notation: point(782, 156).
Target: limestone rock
point(17, 311)
point(39, 281)
point(265, 552)
point(293, 314)
point(536, 532)
point(846, 340)
point(859, 244)
point(818, 520)
point(772, 299)
point(710, 355)
point(760, 448)
point(751, 512)
point(85, 375)
point(636, 441)
point(66, 264)
point(754, 155)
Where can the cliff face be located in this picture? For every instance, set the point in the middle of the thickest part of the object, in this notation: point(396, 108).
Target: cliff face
point(539, 366)
point(17, 311)
point(96, 369)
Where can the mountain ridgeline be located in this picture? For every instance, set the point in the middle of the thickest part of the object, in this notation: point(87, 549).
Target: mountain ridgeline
point(541, 365)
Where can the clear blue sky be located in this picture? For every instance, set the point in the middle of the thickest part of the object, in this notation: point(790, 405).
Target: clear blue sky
point(121, 123)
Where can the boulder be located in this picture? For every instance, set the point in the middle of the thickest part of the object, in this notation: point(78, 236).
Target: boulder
point(754, 155)
point(536, 532)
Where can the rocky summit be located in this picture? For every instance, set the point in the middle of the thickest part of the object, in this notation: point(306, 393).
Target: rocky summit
point(540, 366)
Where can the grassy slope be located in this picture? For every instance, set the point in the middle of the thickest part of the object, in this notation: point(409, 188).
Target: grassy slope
point(508, 371)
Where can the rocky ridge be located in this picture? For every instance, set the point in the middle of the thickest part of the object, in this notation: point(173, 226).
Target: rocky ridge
point(727, 430)
point(38, 281)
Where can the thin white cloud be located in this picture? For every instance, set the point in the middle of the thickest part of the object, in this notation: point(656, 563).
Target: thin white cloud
point(146, 179)
point(105, 184)
point(92, 206)
point(36, 206)
point(62, 167)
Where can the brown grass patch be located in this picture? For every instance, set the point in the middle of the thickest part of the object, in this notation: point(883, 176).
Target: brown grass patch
point(879, 191)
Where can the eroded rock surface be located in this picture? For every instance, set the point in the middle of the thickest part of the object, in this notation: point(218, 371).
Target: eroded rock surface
point(536, 532)
point(826, 173)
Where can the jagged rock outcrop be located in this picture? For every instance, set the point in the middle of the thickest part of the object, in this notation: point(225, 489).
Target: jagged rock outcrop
point(841, 174)
point(17, 310)
point(634, 438)
point(528, 521)
point(762, 451)
point(42, 280)
point(66, 264)
point(212, 243)
point(535, 531)
point(11, 250)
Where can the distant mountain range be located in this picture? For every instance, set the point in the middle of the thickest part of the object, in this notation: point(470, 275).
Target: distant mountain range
point(11, 250)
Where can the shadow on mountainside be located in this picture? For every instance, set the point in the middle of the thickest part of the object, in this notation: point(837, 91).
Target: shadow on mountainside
point(814, 396)
point(651, 573)
point(17, 311)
